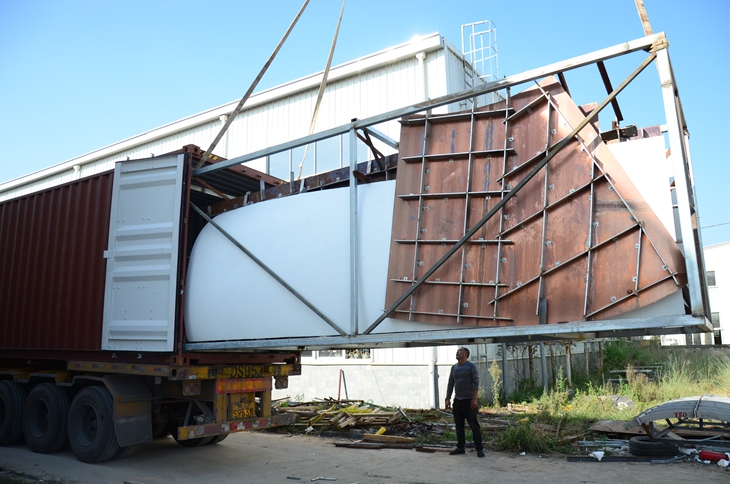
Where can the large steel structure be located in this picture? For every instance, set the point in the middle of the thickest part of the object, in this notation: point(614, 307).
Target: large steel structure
point(364, 333)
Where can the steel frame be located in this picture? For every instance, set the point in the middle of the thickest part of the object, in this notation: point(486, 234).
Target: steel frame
point(690, 237)
point(506, 195)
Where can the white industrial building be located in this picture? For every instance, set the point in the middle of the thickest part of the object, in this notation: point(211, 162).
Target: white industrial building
point(717, 269)
point(717, 262)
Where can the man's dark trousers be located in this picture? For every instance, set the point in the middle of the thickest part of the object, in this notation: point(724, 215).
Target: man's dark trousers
point(463, 410)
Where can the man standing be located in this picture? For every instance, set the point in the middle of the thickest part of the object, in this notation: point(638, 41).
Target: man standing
point(464, 379)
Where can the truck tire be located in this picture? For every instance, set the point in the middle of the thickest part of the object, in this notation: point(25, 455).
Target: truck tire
point(161, 430)
point(45, 418)
point(126, 451)
point(91, 425)
point(192, 442)
point(12, 401)
point(217, 439)
point(642, 446)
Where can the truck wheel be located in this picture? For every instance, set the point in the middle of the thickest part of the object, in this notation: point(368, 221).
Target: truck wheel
point(91, 425)
point(126, 451)
point(161, 430)
point(12, 400)
point(191, 442)
point(642, 446)
point(45, 418)
point(218, 438)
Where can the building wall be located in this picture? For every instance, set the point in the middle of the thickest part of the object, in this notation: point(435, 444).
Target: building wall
point(402, 377)
point(386, 376)
point(717, 260)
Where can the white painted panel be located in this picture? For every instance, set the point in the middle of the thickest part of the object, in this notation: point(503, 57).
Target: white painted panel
point(311, 255)
point(141, 281)
point(646, 164)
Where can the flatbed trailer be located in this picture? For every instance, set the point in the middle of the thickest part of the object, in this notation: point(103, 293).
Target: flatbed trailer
point(107, 409)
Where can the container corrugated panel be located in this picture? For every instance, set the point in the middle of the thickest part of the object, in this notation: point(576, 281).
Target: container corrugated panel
point(52, 266)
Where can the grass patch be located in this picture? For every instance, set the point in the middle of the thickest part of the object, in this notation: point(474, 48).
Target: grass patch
point(562, 412)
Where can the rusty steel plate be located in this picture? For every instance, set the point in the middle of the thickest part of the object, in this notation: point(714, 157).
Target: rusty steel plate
point(577, 240)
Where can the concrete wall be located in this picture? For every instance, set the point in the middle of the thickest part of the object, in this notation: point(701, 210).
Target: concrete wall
point(402, 377)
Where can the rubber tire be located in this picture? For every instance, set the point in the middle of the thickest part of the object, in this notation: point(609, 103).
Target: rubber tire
point(161, 430)
point(217, 439)
point(45, 418)
point(642, 446)
point(192, 442)
point(127, 451)
point(91, 425)
point(12, 401)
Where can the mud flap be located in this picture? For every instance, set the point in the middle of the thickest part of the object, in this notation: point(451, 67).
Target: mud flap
point(132, 409)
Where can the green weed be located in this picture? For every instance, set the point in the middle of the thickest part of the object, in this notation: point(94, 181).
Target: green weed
point(496, 372)
point(526, 436)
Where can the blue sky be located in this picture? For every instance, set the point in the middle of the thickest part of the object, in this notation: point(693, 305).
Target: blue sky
point(79, 75)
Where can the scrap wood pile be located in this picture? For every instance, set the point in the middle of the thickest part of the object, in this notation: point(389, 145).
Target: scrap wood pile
point(338, 414)
point(377, 441)
point(411, 425)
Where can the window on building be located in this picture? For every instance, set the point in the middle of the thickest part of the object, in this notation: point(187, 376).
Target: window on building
point(354, 354)
point(357, 354)
point(329, 353)
point(711, 279)
point(715, 320)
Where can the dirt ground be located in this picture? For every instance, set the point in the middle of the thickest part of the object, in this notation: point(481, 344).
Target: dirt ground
point(257, 457)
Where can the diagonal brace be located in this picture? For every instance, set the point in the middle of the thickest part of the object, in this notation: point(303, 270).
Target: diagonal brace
point(245, 97)
point(269, 271)
point(512, 192)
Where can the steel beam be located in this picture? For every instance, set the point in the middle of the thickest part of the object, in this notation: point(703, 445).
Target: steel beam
point(684, 189)
point(353, 233)
point(643, 43)
point(382, 137)
point(607, 84)
point(245, 97)
point(572, 330)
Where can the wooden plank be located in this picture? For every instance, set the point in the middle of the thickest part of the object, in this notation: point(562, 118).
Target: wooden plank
point(430, 449)
point(388, 438)
point(359, 445)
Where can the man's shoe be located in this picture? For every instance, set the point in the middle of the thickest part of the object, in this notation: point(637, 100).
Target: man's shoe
point(457, 452)
point(480, 453)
